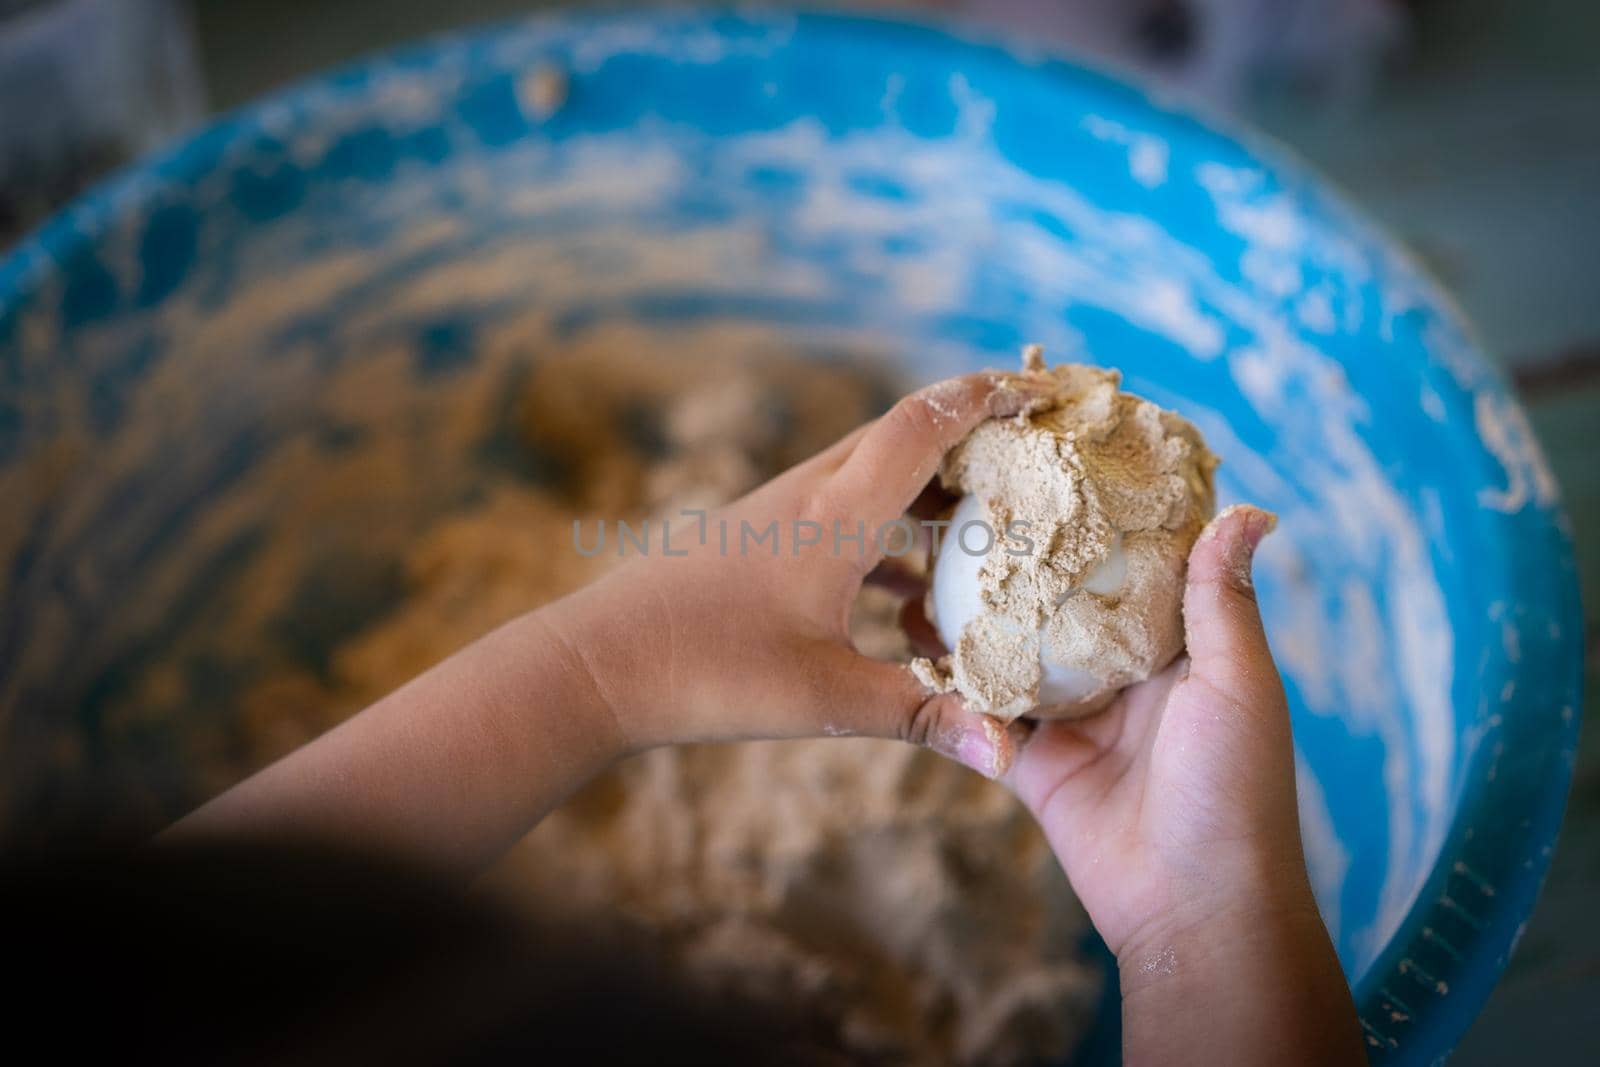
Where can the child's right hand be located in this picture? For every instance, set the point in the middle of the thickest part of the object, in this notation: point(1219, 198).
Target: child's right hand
point(1174, 815)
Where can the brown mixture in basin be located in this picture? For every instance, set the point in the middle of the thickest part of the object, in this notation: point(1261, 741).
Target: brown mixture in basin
point(909, 909)
point(912, 907)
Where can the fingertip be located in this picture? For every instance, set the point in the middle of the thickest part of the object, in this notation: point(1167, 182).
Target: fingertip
point(1258, 523)
point(939, 719)
point(960, 403)
point(981, 742)
point(1222, 622)
point(894, 459)
point(1018, 394)
point(978, 745)
point(1225, 550)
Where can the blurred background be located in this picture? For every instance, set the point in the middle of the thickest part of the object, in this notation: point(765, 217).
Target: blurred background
point(1469, 128)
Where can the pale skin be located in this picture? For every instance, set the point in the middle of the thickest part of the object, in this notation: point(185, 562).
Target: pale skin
point(1173, 812)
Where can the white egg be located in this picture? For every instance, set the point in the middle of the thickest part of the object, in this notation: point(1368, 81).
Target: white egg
point(958, 598)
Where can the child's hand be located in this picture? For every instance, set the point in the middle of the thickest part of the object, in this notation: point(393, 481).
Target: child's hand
point(1173, 812)
point(1174, 815)
point(1186, 774)
point(736, 642)
point(465, 758)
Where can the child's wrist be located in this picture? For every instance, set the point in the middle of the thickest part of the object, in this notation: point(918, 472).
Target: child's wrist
point(1203, 935)
point(1201, 983)
point(612, 646)
point(1194, 892)
point(1240, 908)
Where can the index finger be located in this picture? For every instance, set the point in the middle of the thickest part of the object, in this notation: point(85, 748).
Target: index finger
point(900, 452)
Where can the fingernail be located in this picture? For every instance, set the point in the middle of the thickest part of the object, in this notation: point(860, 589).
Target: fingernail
point(1257, 524)
point(1237, 553)
point(976, 748)
point(990, 746)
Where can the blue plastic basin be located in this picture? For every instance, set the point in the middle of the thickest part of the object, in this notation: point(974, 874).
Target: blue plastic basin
point(824, 178)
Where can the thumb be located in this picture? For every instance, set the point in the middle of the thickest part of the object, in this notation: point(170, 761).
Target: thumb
point(883, 699)
point(1225, 743)
point(1227, 645)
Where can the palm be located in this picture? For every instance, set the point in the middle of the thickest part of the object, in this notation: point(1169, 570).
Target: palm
point(1184, 773)
point(1134, 798)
